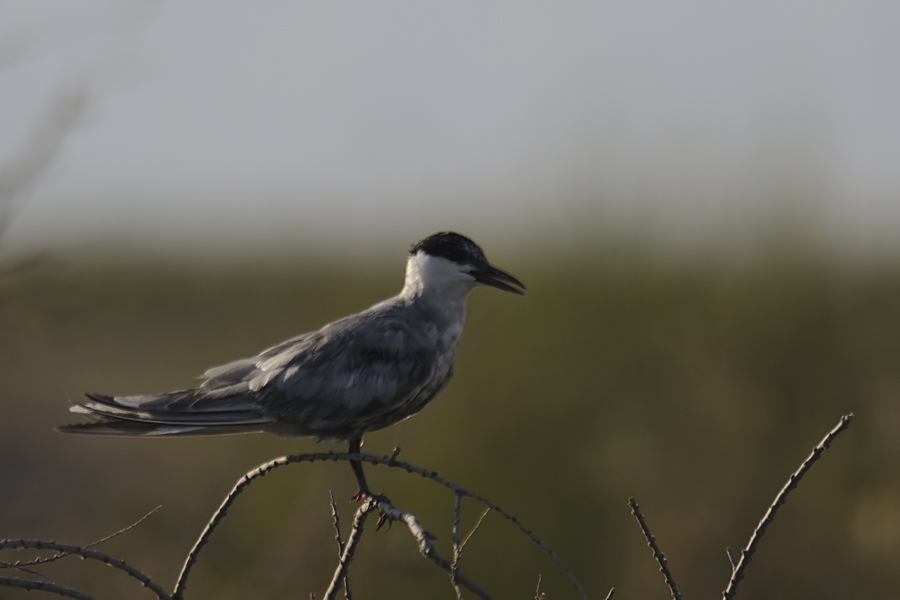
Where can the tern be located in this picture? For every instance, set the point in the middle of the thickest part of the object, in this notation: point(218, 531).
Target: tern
point(358, 374)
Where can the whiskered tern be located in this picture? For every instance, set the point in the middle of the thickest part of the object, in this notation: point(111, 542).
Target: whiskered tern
point(359, 374)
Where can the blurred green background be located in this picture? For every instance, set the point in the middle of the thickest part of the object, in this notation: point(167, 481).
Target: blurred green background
point(694, 383)
point(702, 198)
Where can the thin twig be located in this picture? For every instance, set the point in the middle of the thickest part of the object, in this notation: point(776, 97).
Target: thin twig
point(388, 461)
point(45, 586)
point(359, 521)
point(747, 553)
point(89, 554)
point(657, 553)
point(457, 549)
point(22, 565)
point(610, 594)
point(474, 529)
point(538, 594)
point(337, 523)
point(59, 555)
point(340, 542)
point(124, 529)
point(426, 548)
point(731, 559)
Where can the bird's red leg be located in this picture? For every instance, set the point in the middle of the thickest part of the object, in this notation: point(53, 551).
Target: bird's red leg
point(355, 448)
point(364, 491)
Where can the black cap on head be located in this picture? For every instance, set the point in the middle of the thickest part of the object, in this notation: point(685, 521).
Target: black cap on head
point(452, 246)
point(464, 252)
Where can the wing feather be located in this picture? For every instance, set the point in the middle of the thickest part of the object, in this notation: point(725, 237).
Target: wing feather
point(337, 381)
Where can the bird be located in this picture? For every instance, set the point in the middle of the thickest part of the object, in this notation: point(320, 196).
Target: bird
point(358, 374)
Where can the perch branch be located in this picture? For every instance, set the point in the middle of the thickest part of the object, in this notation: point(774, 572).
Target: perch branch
point(657, 553)
point(747, 553)
point(389, 461)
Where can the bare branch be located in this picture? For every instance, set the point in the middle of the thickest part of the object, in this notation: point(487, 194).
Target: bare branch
point(747, 553)
point(337, 523)
point(657, 553)
point(457, 549)
point(89, 554)
point(426, 548)
point(21, 566)
point(45, 586)
point(340, 542)
point(388, 461)
point(340, 574)
point(124, 529)
point(610, 594)
point(59, 555)
point(538, 594)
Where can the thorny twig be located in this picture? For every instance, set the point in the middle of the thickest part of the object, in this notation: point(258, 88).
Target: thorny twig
point(59, 555)
point(457, 549)
point(422, 537)
point(657, 553)
point(45, 586)
point(356, 530)
point(106, 559)
point(426, 548)
point(340, 542)
point(747, 553)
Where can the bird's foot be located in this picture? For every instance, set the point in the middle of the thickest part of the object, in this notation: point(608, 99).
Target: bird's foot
point(376, 499)
point(365, 494)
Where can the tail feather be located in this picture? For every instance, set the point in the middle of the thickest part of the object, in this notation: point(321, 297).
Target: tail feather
point(155, 416)
point(138, 429)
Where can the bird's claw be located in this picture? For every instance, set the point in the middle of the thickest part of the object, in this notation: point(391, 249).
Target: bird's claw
point(384, 518)
point(361, 495)
point(376, 499)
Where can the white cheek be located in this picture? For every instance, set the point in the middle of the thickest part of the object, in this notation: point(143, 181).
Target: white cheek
point(436, 273)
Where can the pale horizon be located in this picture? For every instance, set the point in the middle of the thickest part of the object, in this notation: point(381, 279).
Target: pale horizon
point(201, 123)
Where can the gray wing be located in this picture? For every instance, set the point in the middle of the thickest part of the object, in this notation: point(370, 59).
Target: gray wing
point(343, 378)
point(337, 381)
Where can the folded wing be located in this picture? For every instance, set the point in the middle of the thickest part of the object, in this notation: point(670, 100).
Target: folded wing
point(355, 374)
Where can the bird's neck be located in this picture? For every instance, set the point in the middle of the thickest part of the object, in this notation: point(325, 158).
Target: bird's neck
point(446, 312)
point(446, 309)
point(438, 289)
point(435, 280)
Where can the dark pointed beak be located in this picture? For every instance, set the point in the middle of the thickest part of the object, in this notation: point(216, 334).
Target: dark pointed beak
point(501, 280)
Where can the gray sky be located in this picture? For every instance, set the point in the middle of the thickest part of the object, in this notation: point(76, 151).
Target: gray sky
point(235, 122)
